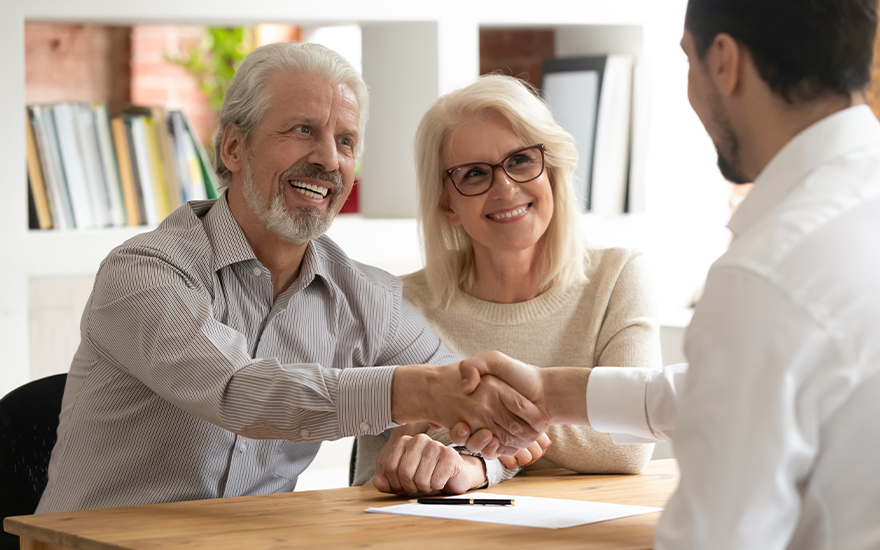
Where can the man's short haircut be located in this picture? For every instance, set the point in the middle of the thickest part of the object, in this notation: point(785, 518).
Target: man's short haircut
point(448, 250)
point(247, 98)
point(801, 49)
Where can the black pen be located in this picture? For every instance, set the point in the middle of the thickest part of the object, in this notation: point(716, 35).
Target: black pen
point(467, 501)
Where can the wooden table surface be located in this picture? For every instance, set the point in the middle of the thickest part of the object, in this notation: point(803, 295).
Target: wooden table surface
point(335, 518)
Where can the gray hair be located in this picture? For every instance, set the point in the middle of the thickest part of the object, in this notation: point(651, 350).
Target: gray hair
point(247, 98)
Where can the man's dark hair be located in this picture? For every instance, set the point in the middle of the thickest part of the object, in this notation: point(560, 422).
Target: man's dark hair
point(801, 48)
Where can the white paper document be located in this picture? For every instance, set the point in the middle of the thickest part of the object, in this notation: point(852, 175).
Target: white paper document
point(547, 513)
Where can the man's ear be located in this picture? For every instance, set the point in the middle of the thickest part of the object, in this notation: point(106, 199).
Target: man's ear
point(724, 61)
point(232, 149)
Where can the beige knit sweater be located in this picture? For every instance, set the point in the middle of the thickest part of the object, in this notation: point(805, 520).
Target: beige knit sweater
point(608, 320)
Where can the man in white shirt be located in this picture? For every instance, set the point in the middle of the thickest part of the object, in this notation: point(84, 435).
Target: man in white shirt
point(777, 419)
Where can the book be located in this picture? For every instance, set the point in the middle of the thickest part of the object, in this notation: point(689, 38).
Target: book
point(611, 159)
point(157, 170)
point(126, 172)
point(166, 155)
point(91, 162)
point(33, 217)
point(181, 156)
point(109, 166)
point(50, 162)
point(42, 211)
point(208, 175)
point(571, 88)
point(140, 163)
point(71, 162)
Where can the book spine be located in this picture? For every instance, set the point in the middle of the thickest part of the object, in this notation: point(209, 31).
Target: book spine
point(140, 161)
point(109, 166)
point(207, 171)
point(44, 131)
point(126, 172)
point(166, 156)
point(71, 161)
point(35, 177)
point(94, 176)
point(157, 170)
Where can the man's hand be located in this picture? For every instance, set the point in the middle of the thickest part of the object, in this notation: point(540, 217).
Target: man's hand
point(418, 465)
point(560, 393)
point(434, 393)
point(527, 456)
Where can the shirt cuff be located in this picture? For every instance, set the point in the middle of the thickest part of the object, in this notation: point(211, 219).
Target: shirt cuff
point(364, 400)
point(616, 404)
point(494, 471)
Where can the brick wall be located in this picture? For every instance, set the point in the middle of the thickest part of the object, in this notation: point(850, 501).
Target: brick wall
point(66, 62)
point(157, 81)
point(516, 52)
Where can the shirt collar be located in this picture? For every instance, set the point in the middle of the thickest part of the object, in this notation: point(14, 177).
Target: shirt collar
point(313, 265)
point(231, 246)
point(227, 238)
point(838, 134)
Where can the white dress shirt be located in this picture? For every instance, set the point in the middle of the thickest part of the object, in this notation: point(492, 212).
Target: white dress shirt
point(778, 428)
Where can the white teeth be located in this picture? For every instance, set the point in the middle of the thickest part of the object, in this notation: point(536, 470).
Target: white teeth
point(308, 193)
point(310, 189)
point(511, 214)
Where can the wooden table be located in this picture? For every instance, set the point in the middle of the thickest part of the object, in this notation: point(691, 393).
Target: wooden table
point(335, 518)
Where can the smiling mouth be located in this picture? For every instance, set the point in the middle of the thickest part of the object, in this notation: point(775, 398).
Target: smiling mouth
point(512, 214)
point(309, 189)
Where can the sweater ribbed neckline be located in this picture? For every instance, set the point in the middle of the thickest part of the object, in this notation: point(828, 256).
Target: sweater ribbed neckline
point(537, 308)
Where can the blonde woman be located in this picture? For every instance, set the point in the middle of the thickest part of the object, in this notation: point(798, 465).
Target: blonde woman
point(506, 269)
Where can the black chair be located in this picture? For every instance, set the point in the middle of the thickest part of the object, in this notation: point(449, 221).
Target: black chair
point(352, 461)
point(28, 430)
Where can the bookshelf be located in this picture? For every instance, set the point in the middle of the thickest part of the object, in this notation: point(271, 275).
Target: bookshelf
point(412, 53)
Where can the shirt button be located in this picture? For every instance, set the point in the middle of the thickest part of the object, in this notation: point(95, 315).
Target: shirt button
point(256, 271)
point(242, 448)
point(364, 426)
point(304, 434)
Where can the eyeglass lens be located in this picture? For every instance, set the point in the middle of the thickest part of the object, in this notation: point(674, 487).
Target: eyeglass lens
point(522, 166)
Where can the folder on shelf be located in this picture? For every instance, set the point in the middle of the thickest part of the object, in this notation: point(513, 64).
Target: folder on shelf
point(35, 179)
point(50, 161)
point(71, 161)
point(140, 164)
point(192, 185)
point(592, 98)
point(126, 172)
point(613, 131)
point(157, 169)
point(109, 166)
point(91, 162)
point(166, 156)
point(207, 172)
point(571, 89)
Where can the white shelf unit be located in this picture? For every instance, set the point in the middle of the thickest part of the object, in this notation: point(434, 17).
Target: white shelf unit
point(412, 53)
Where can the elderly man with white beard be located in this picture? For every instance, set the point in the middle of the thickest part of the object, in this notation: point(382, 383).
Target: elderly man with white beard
point(221, 348)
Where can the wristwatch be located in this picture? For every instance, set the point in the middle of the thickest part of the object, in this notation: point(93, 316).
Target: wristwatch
point(464, 451)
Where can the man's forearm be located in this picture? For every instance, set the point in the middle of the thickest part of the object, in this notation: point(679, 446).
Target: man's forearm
point(408, 401)
point(565, 394)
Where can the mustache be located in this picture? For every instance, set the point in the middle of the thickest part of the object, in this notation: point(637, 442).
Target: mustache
point(311, 172)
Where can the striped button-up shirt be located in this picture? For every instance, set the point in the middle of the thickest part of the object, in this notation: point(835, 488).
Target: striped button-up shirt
point(191, 383)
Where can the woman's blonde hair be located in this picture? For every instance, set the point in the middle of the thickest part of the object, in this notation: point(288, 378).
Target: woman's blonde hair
point(448, 250)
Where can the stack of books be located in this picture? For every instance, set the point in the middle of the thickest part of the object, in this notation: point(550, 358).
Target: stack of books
point(88, 170)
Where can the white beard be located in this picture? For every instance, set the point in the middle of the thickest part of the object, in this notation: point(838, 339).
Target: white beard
point(306, 224)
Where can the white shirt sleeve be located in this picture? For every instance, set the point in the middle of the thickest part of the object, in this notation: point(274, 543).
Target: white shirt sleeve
point(635, 405)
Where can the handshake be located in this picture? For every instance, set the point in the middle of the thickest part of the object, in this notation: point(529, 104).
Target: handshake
point(533, 398)
point(493, 404)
